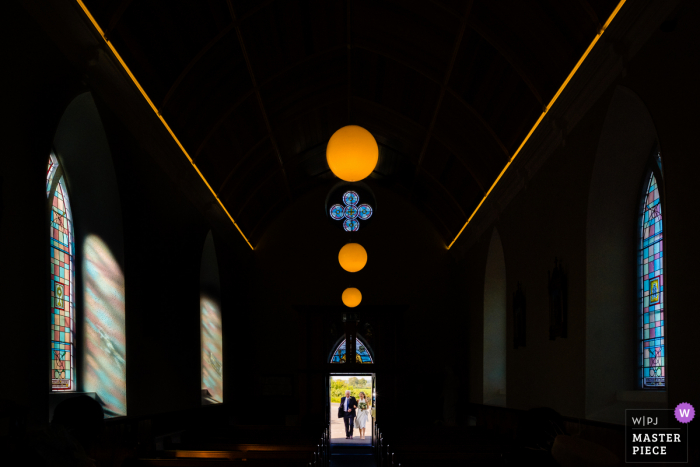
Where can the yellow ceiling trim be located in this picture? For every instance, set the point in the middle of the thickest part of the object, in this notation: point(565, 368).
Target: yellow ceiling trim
point(160, 117)
point(544, 112)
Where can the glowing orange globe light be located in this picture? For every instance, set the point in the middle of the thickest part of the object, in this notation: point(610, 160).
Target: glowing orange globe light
point(351, 297)
point(352, 257)
point(352, 153)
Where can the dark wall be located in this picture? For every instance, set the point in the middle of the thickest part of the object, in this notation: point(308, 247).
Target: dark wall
point(85, 162)
point(37, 90)
point(159, 248)
point(548, 219)
point(165, 236)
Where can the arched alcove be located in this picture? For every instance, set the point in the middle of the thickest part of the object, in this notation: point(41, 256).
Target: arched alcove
point(627, 141)
point(211, 325)
point(495, 324)
point(82, 148)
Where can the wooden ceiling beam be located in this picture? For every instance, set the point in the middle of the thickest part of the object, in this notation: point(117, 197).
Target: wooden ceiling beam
point(400, 115)
point(293, 158)
point(591, 14)
point(447, 9)
point(264, 216)
point(117, 16)
point(257, 95)
point(464, 163)
point(394, 113)
point(457, 155)
point(221, 121)
point(269, 80)
point(223, 33)
point(471, 109)
point(255, 191)
point(238, 164)
point(508, 55)
point(348, 43)
point(444, 190)
point(488, 128)
point(290, 162)
point(444, 226)
point(443, 87)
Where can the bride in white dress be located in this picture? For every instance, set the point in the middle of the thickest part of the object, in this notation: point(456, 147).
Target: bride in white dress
point(362, 415)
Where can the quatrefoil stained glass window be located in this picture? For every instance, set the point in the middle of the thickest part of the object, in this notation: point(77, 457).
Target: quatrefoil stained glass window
point(350, 212)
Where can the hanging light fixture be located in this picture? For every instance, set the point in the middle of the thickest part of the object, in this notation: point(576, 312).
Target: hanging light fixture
point(352, 153)
point(352, 257)
point(351, 297)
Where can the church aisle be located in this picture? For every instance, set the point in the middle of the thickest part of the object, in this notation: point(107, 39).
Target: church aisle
point(352, 456)
point(338, 433)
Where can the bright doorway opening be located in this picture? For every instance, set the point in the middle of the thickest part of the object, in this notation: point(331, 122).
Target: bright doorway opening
point(356, 384)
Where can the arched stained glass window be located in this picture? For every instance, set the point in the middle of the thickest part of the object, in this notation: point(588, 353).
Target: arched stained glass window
point(62, 273)
point(362, 354)
point(50, 172)
point(651, 286)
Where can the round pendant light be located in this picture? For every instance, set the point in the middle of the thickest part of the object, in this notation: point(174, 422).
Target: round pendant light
point(352, 257)
point(352, 153)
point(351, 297)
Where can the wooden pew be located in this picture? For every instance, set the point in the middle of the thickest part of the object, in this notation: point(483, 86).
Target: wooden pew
point(220, 452)
point(441, 447)
point(270, 456)
point(222, 463)
point(272, 452)
point(254, 435)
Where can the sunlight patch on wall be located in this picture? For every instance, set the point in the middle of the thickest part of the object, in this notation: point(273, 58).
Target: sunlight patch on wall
point(105, 343)
point(212, 366)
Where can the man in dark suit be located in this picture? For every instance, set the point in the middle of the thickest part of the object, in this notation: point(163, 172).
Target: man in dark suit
point(348, 404)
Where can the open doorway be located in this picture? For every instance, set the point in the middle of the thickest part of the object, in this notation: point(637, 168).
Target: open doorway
point(356, 383)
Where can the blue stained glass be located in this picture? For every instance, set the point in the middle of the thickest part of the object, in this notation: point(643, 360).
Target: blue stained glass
point(339, 354)
point(351, 198)
point(337, 212)
point(62, 284)
point(365, 211)
point(351, 225)
point(651, 286)
point(351, 212)
point(362, 354)
point(50, 172)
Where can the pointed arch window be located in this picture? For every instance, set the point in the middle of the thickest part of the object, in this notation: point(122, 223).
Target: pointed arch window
point(652, 343)
point(62, 279)
point(362, 354)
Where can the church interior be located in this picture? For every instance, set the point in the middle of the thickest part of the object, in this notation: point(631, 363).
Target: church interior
point(169, 164)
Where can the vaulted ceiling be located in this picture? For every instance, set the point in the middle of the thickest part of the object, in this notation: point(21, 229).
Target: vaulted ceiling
point(254, 89)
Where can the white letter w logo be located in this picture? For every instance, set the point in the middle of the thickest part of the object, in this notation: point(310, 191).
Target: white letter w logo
point(684, 412)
